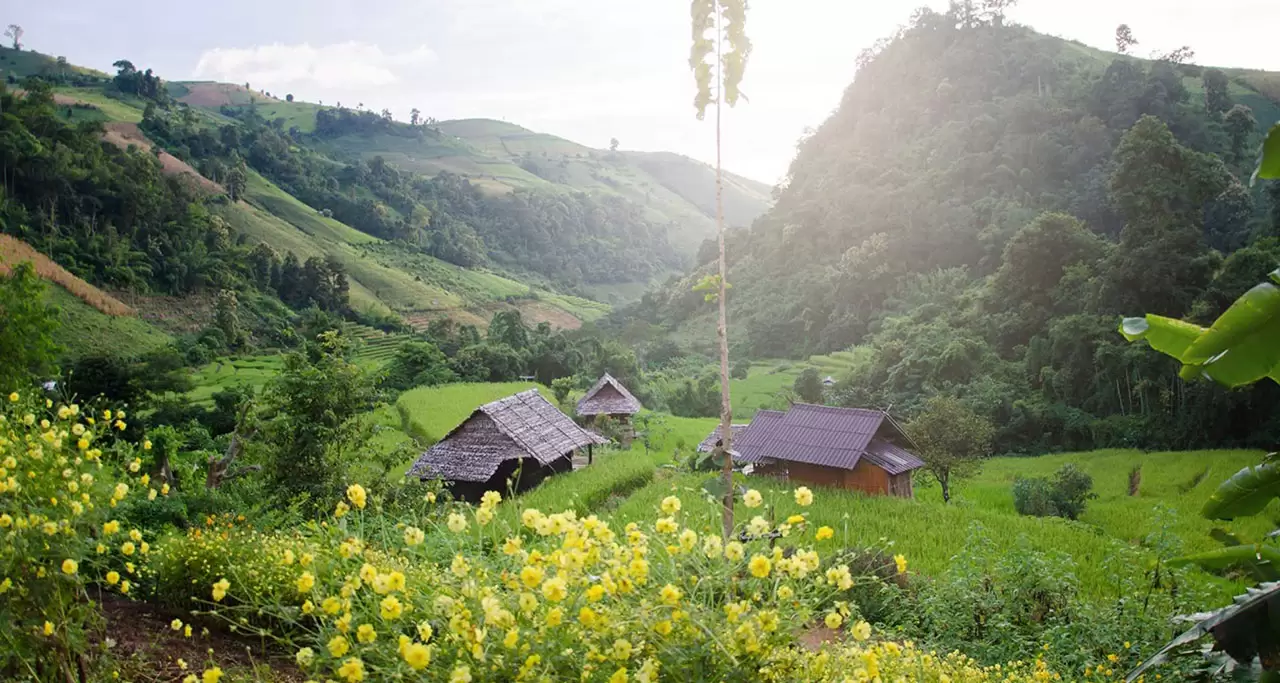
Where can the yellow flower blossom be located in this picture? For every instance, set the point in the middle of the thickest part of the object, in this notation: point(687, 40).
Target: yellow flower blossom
point(390, 608)
point(833, 620)
point(366, 633)
point(417, 656)
point(352, 670)
point(338, 646)
point(670, 505)
point(803, 496)
point(823, 533)
point(670, 595)
point(304, 657)
point(901, 562)
point(113, 577)
point(357, 495)
point(861, 631)
point(413, 536)
point(305, 582)
point(462, 674)
point(555, 589)
point(759, 566)
point(457, 523)
point(734, 551)
point(220, 589)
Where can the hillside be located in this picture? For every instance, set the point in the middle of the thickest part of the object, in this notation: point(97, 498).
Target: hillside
point(980, 210)
point(501, 157)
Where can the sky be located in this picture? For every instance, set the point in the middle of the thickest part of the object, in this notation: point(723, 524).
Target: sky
point(586, 70)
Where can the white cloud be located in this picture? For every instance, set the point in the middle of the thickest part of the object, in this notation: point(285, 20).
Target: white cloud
point(339, 65)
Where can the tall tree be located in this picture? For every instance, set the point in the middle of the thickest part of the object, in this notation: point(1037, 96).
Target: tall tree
point(725, 21)
point(952, 440)
point(1239, 123)
point(15, 32)
point(1161, 188)
point(415, 116)
point(1216, 99)
point(1124, 39)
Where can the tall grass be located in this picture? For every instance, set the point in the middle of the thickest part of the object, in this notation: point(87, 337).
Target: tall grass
point(14, 251)
point(433, 411)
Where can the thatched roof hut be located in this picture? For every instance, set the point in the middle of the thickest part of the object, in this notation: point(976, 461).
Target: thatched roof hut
point(608, 397)
point(522, 435)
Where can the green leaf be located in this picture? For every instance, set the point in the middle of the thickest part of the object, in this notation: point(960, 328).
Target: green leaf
point(1226, 538)
point(715, 487)
point(1269, 157)
point(1246, 493)
point(1262, 560)
point(1166, 335)
point(1246, 317)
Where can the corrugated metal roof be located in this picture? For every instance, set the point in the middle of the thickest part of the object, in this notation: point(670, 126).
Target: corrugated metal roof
point(820, 435)
point(893, 458)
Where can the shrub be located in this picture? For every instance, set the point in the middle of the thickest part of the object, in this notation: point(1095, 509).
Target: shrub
point(1063, 496)
point(60, 485)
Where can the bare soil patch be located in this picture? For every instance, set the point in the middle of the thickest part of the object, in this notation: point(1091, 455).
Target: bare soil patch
point(123, 135)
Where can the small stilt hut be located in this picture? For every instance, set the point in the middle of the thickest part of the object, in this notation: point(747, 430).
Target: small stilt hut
point(511, 443)
point(610, 399)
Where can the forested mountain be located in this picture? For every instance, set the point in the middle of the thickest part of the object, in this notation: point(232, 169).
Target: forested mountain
point(981, 209)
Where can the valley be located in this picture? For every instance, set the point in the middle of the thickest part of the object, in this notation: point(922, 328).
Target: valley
point(318, 393)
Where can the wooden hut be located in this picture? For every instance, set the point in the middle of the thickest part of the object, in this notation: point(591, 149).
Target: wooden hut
point(849, 448)
point(610, 399)
point(521, 439)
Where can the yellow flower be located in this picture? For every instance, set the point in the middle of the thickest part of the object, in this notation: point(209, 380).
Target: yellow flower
point(512, 545)
point(901, 562)
point(824, 532)
point(663, 627)
point(391, 608)
point(752, 498)
point(366, 633)
point(759, 566)
point(111, 527)
point(734, 551)
point(211, 675)
point(758, 526)
point(341, 509)
point(619, 676)
point(128, 548)
point(554, 616)
point(305, 656)
point(670, 595)
point(176, 624)
point(462, 674)
point(48, 628)
point(595, 593)
point(338, 646)
point(395, 581)
point(804, 497)
point(69, 566)
point(666, 525)
point(220, 589)
point(331, 605)
point(688, 538)
point(833, 620)
point(785, 592)
point(490, 499)
point(555, 589)
point(622, 649)
point(352, 669)
point(13, 397)
point(484, 516)
point(457, 523)
point(357, 495)
point(417, 656)
point(124, 587)
point(113, 577)
point(306, 582)
point(413, 536)
point(670, 505)
point(146, 444)
point(861, 631)
point(308, 607)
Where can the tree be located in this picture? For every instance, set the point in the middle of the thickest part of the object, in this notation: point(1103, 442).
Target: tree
point(613, 144)
point(1124, 39)
point(1216, 99)
point(952, 440)
point(1161, 188)
point(726, 21)
point(1181, 55)
point(226, 316)
point(808, 386)
point(417, 364)
point(15, 32)
point(288, 97)
point(27, 323)
point(415, 116)
point(1239, 122)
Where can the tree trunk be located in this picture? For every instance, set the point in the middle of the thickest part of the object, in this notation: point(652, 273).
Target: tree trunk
point(945, 481)
point(726, 408)
point(220, 468)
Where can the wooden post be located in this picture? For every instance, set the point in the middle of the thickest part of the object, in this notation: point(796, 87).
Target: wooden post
point(589, 453)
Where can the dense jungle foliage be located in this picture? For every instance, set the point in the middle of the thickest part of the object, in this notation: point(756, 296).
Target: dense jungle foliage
point(980, 211)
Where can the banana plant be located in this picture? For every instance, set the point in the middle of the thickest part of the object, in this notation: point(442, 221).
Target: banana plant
point(1240, 348)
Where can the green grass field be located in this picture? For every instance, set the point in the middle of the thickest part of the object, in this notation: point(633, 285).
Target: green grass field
point(84, 330)
point(253, 371)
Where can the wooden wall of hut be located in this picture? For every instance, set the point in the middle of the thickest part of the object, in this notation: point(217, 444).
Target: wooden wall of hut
point(512, 475)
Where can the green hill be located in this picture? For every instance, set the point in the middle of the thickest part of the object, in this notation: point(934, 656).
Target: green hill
point(980, 210)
